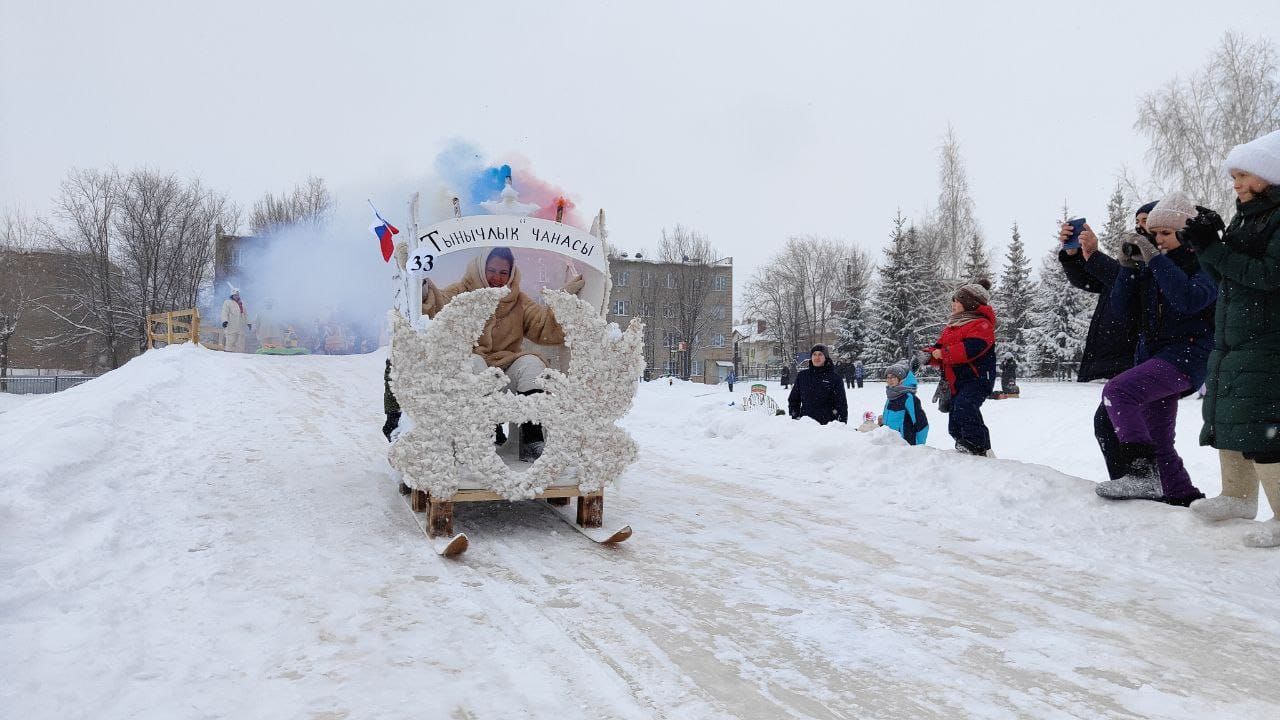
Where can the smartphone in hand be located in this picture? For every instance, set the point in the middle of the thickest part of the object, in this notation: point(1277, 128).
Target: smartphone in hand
point(1073, 242)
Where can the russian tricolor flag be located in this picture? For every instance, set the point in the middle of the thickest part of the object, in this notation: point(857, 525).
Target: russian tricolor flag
point(384, 230)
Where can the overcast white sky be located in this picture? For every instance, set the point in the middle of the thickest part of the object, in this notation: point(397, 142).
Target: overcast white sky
point(748, 121)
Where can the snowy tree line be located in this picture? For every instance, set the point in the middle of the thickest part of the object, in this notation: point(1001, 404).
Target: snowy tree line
point(884, 312)
point(131, 244)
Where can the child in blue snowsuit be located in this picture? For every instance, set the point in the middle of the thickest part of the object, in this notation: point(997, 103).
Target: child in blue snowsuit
point(903, 411)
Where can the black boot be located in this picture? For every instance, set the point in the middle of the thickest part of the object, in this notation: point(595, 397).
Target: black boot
point(531, 441)
point(1142, 479)
point(393, 422)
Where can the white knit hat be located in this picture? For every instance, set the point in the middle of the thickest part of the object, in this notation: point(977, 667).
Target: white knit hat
point(1260, 157)
point(1172, 212)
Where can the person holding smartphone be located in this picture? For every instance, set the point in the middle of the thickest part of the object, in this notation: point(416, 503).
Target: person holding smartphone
point(1109, 345)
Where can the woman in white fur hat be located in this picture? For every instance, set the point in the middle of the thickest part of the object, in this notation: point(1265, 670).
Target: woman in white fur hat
point(1242, 403)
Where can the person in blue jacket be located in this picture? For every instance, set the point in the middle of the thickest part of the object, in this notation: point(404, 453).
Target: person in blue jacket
point(1173, 297)
point(903, 411)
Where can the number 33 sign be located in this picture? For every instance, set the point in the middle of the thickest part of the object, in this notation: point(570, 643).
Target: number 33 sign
point(420, 263)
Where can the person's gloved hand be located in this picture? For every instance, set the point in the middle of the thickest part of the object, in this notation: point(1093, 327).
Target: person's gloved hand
point(224, 323)
point(1124, 257)
point(1146, 247)
point(574, 286)
point(1202, 230)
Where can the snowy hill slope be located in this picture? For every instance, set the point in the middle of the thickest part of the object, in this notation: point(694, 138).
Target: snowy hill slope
point(207, 535)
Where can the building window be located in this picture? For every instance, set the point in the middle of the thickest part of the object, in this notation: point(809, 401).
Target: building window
point(697, 367)
point(647, 309)
point(721, 282)
point(717, 312)
point(646, 279)
point(668, 311)
point(671, 280)
point(621, 307)
point(718, 340)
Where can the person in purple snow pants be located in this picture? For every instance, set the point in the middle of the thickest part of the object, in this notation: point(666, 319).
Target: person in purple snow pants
point(1173, 297)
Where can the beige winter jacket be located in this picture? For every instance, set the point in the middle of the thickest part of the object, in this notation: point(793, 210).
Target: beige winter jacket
point(517, 317)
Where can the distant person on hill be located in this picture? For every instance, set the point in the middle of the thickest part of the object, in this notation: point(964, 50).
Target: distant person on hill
point(1112, 337)
point(1173, 297)
point(964, 353)
point(818, 392)
point(235, 322)
point(731, 378)
point(903, 411)
point(785, 377)
point(859, 372)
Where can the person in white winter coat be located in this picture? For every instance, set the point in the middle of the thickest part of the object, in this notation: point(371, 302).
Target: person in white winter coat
point(269, 333)
point(235, 322)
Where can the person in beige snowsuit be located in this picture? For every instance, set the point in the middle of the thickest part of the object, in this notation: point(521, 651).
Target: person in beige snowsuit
point(516, 319)
point(235, 323)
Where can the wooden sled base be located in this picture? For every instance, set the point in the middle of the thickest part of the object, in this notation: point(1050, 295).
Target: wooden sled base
point(435, 517)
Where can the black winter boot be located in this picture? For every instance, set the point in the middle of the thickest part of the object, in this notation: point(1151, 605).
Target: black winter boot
point(393, 422)
point(531, 440)
point(1140, 482)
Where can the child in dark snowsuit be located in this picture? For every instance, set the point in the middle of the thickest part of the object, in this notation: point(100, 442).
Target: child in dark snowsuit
point(964, 353)
point(903, 411)
point(1173, 299)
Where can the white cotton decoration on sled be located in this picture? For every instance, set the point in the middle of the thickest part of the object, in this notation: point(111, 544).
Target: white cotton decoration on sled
point(455, 409)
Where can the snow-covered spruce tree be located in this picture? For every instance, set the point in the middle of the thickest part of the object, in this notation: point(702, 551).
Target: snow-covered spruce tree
point(977, 264)
point(1013, 299)
point(851, 327)
point(1118, 224)
point(1059, 321)
point(905, 299)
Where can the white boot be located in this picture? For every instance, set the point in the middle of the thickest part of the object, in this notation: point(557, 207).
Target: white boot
point(1266, 535)
point(1223, 507)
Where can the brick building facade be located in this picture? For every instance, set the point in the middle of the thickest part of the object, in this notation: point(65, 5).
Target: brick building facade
point(649, 290)
point(39, 345)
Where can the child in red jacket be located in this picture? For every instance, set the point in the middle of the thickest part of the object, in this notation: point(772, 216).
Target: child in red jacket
point(965, 353)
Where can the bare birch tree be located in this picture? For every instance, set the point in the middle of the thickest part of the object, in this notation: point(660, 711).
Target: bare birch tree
point(693, 257)
point(309, 202)
point(88, 296)
point(19, 233)
point(1192, 124)
point(953, 223)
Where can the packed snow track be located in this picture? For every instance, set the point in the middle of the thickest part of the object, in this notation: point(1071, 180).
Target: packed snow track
point(202, 535)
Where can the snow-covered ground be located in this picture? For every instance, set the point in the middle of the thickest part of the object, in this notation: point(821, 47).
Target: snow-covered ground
point(202, 535)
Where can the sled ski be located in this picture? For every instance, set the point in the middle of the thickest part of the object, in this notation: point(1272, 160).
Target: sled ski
point(444, 545)
point(600, 535)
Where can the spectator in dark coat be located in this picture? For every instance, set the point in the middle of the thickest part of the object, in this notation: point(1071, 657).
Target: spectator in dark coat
point(859, 372)
point(1242, 406)
point(1112, 338)
point(818, 392)
point(785, 378)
